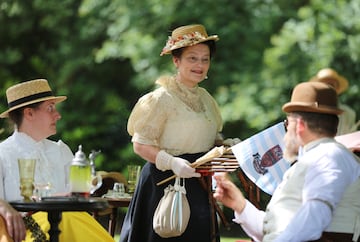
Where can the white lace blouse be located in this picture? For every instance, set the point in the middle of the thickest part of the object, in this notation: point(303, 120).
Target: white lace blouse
point(52, 165)
point(176, 118)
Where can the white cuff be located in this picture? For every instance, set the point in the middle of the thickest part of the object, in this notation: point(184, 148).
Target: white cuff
point(163, 160)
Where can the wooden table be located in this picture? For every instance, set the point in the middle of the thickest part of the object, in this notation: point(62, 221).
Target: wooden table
point(54, 206)
point(114, 204)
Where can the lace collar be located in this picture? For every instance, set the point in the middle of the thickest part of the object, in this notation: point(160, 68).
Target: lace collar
point(190, 96)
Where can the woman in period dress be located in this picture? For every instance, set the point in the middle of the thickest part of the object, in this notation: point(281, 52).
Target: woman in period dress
point(171, 127)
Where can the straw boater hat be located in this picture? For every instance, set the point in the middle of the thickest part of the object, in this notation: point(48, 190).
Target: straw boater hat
point(29, 92)
point(313, 97)
point(331, 77)
point(187, 35)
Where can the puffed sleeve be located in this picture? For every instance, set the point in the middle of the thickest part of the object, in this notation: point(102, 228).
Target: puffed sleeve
point(147, 119)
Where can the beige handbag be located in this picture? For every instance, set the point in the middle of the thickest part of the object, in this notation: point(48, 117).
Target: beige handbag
point(172, 214)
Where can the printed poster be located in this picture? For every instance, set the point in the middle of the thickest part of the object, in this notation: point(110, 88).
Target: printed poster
point(261, 157)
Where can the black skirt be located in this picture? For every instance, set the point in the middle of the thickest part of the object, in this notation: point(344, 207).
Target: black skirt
point(138, 222)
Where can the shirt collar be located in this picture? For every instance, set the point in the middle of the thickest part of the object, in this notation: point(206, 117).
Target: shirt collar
point(27, 141)
point(315, 143)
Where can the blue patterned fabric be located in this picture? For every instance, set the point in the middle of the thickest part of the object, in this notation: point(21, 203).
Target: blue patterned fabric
point(260, 157)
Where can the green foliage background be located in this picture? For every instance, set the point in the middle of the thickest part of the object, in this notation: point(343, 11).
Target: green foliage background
point(104, 54)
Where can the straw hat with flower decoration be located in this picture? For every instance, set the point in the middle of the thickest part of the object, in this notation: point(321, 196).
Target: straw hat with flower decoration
point(313, 97)
point(332, 78)
point(29, 92)
point(187, 35)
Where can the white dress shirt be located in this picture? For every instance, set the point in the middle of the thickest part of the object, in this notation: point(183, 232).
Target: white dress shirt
point(302, 206)
point(53, 161)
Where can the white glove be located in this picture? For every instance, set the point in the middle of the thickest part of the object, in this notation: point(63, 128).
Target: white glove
point(179, 166)
point(231, 142)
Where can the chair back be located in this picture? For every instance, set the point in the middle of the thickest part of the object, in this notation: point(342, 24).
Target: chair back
point(108, 180)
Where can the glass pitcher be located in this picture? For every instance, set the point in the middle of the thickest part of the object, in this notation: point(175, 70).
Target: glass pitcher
point(82, 181)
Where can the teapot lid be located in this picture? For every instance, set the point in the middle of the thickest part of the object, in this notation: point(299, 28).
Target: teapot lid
point(80, 158)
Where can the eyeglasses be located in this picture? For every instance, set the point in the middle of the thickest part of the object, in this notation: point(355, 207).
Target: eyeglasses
point(286, 124)
point(48, 107)
point(287, 121)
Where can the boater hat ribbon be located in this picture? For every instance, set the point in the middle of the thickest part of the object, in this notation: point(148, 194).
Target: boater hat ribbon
point(29, 98)
point(29, 92)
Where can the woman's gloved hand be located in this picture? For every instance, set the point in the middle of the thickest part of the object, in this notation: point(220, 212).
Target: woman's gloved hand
point(231, 141)
point(179, 166)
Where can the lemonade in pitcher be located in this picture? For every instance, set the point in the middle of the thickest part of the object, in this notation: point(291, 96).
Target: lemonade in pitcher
point(80, 176)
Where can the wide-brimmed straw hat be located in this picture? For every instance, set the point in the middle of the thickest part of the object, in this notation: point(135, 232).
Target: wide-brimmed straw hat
point(29, 92)
point(313, 97)
point(331, 77)
point(187, 35)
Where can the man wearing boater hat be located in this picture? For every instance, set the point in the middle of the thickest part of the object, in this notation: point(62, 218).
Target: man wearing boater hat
point(318, 197)
point(32, 109)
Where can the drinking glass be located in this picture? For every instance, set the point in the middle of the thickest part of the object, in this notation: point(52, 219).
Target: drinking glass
point(26, 174)
point(133, 177)
point(42, 189)
point(118, 189)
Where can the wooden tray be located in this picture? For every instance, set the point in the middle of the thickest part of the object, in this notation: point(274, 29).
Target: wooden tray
point(225, 163)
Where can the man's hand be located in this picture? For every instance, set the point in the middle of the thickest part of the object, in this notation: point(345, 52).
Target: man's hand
point(228, 193)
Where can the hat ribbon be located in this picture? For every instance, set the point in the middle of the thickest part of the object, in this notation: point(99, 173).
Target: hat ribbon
point(29, 98)
point(316, 105)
